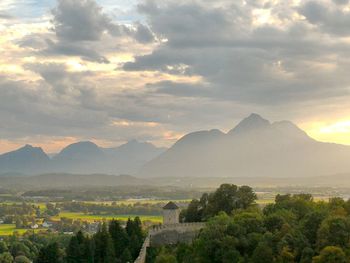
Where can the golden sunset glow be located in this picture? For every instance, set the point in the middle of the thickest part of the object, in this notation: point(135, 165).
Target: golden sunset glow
point(337, 132)
point(50, 145)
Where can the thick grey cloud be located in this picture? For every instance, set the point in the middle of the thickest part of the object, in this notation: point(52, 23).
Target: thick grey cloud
point(191, 24)
point(331, 19)
point(44, 45)
point(83, 21)
point(60, 80)
point(341, 2)
point(81, 27)
point(86, 51)
point(64, 103)
point(239, 61)
point(38, 111)
point(143, 34)
point(180, 89)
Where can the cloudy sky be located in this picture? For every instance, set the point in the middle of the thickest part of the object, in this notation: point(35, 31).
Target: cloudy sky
point(114, 70)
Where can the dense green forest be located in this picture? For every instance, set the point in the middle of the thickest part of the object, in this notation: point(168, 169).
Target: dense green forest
point(293, 229)
point(112, 243)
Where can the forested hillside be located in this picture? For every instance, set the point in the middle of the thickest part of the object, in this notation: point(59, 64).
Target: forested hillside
point(293, 229)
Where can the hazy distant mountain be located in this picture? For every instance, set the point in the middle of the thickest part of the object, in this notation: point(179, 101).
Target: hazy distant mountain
point(80, 151)
point(57, 180)
point(252, 123)
point(80, 158)
point(130, 157)
point(254, 148)
point(27, 158)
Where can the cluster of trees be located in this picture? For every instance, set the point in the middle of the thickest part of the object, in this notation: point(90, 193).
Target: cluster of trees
point(293, 229)
point(24, 249)
point(227, 198)
point(51, 210)
point(17, 209)
point(24, 215)
point(24, 221)
point(111, 244)
point(69, 225)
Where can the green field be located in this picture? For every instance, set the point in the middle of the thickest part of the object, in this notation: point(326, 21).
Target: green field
point(138, 201)
point(90, 218)
point(265, 201)
point(9, 229)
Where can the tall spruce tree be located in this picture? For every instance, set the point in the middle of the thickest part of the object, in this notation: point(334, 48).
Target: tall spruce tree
point(119, 237)
point(73, 251)
point(88, 250)
point(104, 250)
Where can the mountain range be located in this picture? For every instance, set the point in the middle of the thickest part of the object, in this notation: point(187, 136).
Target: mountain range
point(254, 148)
point(80, 158)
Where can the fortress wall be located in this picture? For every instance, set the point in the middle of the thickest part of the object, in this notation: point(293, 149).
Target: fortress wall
point(181, 227)
point(169, 235)
point(143, 252)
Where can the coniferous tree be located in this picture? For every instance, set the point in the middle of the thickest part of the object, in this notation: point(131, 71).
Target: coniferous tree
point(134, 246)
point(74, 254)
point(119, 237)
point(104, 250)
point(49, 254)
point(138, 229)
point(134, 228)
point(88, 250)
point(129, 227)
point(80, 236)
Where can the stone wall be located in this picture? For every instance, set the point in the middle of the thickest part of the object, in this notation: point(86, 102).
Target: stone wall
point(173, 234)
point(143, 252)
point(169, 235)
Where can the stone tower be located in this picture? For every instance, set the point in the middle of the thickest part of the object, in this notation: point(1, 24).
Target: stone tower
point(171, 214)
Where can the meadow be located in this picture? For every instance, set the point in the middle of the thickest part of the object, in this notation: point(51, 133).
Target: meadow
point(9, 229)
point(92, 218)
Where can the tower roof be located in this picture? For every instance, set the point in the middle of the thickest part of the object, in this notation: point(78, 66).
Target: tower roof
point(170, 206)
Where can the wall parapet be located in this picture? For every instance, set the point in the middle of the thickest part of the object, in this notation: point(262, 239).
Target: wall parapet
point(181, 229)
point(143, 252)
point(181, 226)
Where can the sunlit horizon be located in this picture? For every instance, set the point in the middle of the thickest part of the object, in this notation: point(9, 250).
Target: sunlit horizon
point(319, 131)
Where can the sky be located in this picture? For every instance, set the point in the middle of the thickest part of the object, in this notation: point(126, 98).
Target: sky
point(110, 71)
